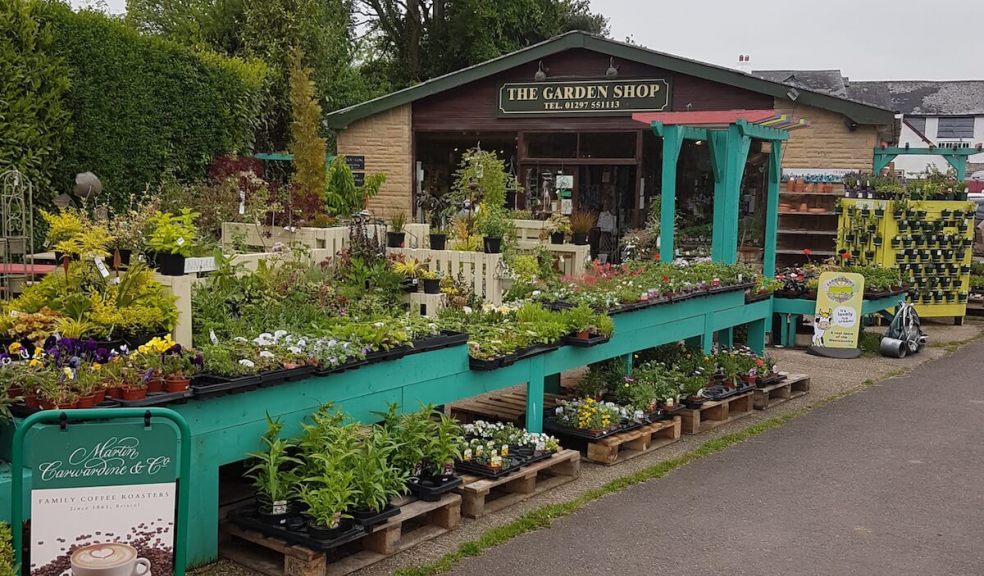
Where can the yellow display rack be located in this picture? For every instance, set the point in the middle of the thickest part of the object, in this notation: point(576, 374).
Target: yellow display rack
point(930, 241)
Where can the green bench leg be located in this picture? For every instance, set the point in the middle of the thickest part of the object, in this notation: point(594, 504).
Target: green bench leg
point(628, 364)
point(534, 396)
point(203, 524)
point(756, 336)
point(707, 342)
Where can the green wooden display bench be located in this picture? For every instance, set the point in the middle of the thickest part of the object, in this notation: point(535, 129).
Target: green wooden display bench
point(791, 309)
point(225, 429)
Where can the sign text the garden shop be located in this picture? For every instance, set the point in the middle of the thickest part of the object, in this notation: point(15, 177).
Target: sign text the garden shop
point(584, 97)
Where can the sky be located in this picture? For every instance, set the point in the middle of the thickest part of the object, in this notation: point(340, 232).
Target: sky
point(865, 39)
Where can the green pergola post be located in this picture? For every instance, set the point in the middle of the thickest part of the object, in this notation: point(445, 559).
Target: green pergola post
point(672, 144)
point(729, 153)
point(772, 209)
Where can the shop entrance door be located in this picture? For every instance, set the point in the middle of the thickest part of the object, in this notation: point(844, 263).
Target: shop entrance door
point(608, 191)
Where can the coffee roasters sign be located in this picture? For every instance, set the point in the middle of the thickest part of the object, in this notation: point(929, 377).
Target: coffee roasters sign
point(103, 498)
point(590, 97)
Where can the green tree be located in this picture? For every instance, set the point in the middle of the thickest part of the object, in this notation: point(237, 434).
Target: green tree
point(33, 120)
point(306, 145)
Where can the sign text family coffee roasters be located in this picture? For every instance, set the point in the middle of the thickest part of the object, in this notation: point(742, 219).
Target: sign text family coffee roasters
point(584, 97)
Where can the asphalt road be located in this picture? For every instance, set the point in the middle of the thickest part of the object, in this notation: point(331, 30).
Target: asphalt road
point(889, 481)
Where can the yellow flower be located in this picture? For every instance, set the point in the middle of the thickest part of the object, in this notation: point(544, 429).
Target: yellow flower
point(15, 348)
point(35, 363)
point(96, 366)
point(67, 371)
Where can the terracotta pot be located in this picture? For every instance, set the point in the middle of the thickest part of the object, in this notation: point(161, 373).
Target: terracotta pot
point(130, 394)
point(46, 404)
point(177, 384)
point(14, 391)
point(584, 335)
point(99, 395)
point(67, 405)
point(31, 401)
point(154, 385)
point(114, 392)
point(798, 186)
point(87, 401)
point(804, 207)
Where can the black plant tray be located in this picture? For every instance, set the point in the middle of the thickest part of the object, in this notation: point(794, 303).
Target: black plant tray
point(633, 306)
point(275, 377)
point(246, 518)
point(354, 365)
point(752, 298)
point(372, 520)
point(538, 349)
point(490, 364)
point(549, 425)
point(719, 393)
point(770, 380)
point(487, 472)
point(445, 339)
point(206, 385)
point(386, 355)
point(432, 493)
point(592, 341)
point(157, 399)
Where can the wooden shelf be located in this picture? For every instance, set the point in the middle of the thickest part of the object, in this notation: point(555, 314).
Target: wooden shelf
point(813, 232)
point(831, 194)
point(800, 252)
point(794, 213)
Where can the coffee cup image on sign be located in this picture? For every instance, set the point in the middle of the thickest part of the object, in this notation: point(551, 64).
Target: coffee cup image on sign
point(110, 559)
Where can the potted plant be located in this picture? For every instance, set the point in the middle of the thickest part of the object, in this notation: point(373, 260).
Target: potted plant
point(179, 365)
point(411, 270)
point(376, 480)
point(129, 228)
point(272, 474)
point(558, 227)
point(587, 326)
point(493, 226)
point(328, 494)
point(581, 224)
point(432, 281)
point(172, 239)
point(690, 387)
point(87, 384)
point(396, 235)
point(438, 238)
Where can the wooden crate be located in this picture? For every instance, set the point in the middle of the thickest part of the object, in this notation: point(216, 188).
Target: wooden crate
point(794, 386)
point(481, 496)
point(418, 521)
point(715, 413)
point(506, 406)
point(627, 445)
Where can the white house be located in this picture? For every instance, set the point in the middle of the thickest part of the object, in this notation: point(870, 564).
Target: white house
point(946, 114)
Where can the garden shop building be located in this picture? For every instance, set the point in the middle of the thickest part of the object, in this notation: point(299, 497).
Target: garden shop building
point(560, 113)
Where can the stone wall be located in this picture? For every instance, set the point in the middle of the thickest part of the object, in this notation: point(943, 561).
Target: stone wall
point(385, 139)
point(827, 143)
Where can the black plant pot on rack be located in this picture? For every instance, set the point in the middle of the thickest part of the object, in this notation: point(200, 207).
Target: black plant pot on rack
point(438, 241)
point(432, 285)
point(170, 264)
point(557, 238)
point(492, 245)
point(395, 239)
point(580, 238)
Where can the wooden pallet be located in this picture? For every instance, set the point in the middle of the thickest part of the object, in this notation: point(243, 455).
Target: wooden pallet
point(504, 406)
point(627, 445)
point(714, 413)
point(481, 496)
point(417, 522)
point(794, 386)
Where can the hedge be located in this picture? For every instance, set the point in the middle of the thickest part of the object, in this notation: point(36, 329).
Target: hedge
point(33, 121)
point(142, 106)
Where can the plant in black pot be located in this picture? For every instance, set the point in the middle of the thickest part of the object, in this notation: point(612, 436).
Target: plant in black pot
point(396, 235)
point(172, 238)
point(557, 227)
point(376, 479)
point(690, 387)
point(492, 224)
point(329, 494)
point(432, 281)
point(581, 224)
point(411, 271)
point(441, 449)
point(273, 475)
point(129, 228)
point(438, 238)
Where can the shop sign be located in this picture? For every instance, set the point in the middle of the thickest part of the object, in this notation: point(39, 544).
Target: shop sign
point(103, 498)
point(597, 97)
point(837, 322)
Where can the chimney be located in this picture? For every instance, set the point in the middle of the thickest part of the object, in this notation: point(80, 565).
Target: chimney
point(745, 63)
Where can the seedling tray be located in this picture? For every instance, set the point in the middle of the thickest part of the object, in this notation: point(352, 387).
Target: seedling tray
point(488, 472)
point(586, 343)
point(490, 364)
point(550, 425)
point(245, 517)
point(354, 365)
point(157, 399)
point(386, 355)
point(206, 385)
point(367, 521)
point(432, 493)
point(445, 339)
point(275, 377)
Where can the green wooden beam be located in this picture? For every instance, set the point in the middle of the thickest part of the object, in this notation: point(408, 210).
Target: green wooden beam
point(956, 157)
point(760, 132)
point(772, 209)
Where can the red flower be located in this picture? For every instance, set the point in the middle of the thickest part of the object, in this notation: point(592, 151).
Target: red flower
point(806, 251)
point(846, 255)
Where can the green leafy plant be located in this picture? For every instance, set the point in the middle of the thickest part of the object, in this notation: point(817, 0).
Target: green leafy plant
point(492, 222)
point(398, 221)
point(173, 234)
point(342, 196)
point(272, 472)
point(583, 221)
point(375, 478)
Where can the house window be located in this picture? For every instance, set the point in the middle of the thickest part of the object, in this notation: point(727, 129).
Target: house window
point(954, 145)
point(917, 124)
point(956, 127)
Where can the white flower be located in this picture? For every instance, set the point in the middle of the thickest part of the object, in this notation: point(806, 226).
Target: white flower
point(247, 363)
point(294, 350)
point(267, 354)
point(466, 309)
point(279, 334)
